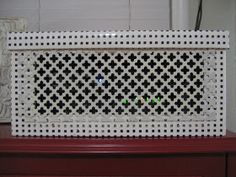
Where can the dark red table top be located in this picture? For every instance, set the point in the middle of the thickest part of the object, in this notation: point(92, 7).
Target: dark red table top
point(58, 145)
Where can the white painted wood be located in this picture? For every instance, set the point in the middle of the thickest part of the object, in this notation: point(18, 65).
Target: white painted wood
point(7, 25)
point(118, 39)
point(204, 49)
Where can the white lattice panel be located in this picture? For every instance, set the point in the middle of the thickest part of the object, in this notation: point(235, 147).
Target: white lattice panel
point(7, 25)
point(154, 83)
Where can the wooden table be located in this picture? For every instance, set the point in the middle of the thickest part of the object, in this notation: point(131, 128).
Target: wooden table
point(162, 157)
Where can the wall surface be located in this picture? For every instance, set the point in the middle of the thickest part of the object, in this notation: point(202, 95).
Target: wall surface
point(218, 14)
point(46, 15)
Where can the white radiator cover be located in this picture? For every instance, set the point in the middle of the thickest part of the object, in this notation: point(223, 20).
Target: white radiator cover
point(119, 83)
point(7, 25)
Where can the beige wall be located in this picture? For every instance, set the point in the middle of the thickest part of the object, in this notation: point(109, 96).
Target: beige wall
point(221, 14)
point(57, 15)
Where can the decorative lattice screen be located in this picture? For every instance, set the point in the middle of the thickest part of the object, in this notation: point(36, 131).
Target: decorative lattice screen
point(120, 83)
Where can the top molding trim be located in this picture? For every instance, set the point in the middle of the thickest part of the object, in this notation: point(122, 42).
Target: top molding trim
point(117, 39)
